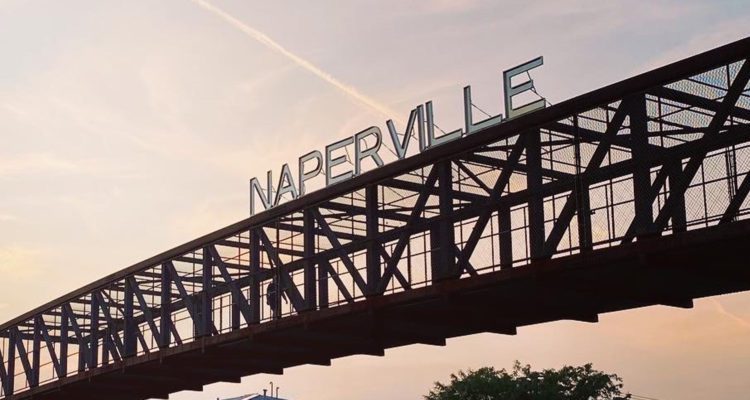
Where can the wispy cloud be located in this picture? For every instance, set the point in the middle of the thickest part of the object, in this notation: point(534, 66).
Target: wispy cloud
point(723, 33)
point(449, 6)
point(36, 162)
point(263, 39)
point(50, 164)
point(8, 218)
point(19, 262)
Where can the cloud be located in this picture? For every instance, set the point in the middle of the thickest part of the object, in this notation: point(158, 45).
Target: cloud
point(450, 6)
point(49, 164)
point(19, 262)
point(726, 32)
point(14, 110)
point(39, 162)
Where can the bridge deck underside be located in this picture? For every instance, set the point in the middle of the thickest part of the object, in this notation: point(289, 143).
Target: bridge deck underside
point(668, 271)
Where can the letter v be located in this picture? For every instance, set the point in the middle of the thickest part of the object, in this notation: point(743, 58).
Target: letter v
point(402, 146)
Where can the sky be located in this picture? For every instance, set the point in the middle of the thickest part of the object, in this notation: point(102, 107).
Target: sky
point(127, 128)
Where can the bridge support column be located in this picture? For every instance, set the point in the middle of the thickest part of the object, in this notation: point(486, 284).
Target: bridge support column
point(583, 203)
point(309, 253)
point(442, 235)
point(106, 346)
point(10, 386)
point(63, 358)
point(204, 308)
point(254, 298)
point(322, 286)
point(235, 313)
point(678, 213)
point(165, 320)
point(505, 237)
point(536, 200)
point(94, 334)
point(130, 326)
point(374, 272)
point(36, 351)
point(83, 348)
point(644, 215)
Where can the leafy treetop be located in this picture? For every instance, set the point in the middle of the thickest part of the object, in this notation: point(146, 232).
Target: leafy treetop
point(521, 383)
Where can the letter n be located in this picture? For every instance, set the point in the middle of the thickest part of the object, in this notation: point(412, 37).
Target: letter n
point(266, 198)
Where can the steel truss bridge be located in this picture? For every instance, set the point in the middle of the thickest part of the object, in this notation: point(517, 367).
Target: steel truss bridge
point(628, 196)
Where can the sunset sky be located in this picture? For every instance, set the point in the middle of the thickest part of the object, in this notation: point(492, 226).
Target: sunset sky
point(128, 128)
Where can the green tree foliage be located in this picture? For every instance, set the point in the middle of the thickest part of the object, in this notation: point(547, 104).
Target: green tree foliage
point(521, 383)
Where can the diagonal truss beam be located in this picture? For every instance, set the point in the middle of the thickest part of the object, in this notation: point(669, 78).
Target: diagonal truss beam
point(187, 299)
point(41, 326)
point(497, 190)
point(145, 310)
point(236, 292)
point(403, 239)
point(343, 255)
point(571, 206)
point(287, 284)
point(23, 355)
point(679, 186)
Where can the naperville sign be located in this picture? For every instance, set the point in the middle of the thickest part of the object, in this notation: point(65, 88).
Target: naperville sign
point(330, 162)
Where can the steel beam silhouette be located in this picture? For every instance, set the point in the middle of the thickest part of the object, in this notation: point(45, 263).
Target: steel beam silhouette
point(632, 195)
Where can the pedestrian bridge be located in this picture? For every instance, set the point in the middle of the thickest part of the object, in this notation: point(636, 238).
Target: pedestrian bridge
point(628, 196)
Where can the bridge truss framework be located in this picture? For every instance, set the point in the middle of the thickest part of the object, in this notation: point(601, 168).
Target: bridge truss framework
point(664, 154)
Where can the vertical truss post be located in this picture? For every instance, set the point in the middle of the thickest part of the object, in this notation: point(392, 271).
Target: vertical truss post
point(165, 320)
point(442, 239)
point(731, 166)
point(106, 346)
point(64, 332)
point(374, 272)
point(82, 352)
point(308, 221)
point(94, 334)
point(130, 326)
point(536, 200)
point(644, 215)
point(322, 287)
point(255, 277)
point(583, 203)
point(205, 303)
point(505, 237)
point(235, 312)
point(730, 155)
point(235, 308)
point(83, 348)
point(679, 215)
point(36, 352)
point(23, 355)
point(10, 386)
point(4, 379)
point(323, 266)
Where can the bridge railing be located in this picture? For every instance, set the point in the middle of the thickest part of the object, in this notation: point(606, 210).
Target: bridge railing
point(669, 155)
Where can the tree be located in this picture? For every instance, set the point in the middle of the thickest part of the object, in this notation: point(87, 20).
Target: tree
point(521, 383)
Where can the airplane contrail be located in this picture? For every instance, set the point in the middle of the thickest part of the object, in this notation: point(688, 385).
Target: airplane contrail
point(721, 310)
point(275, 46)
